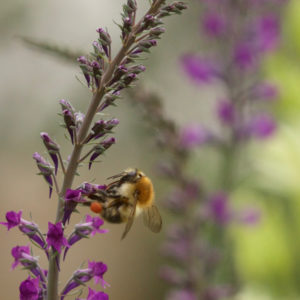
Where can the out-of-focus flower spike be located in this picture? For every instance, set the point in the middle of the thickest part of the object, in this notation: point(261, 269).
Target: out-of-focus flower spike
point(52, 147)
point(46, 170)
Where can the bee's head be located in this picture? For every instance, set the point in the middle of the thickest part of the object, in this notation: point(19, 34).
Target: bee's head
point(129, 175)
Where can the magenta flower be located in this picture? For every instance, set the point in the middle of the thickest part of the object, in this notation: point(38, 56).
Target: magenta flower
point(94, 295)
point(95, 270)
point(84, 230)
point(99, 269)
point(199, 69)
point(55, 236)
point(17, 253)
point(72, 198)
point(13, 219)
point(29, 289)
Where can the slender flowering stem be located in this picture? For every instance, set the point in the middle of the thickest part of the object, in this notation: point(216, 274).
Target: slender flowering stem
point(81, 136)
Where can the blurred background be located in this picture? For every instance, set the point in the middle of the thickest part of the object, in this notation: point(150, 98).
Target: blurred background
point(268, 254)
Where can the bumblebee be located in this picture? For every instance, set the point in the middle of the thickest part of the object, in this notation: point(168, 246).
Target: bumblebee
point(130, 195)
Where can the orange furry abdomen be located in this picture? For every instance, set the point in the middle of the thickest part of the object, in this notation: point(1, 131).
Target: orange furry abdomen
point(145, 191)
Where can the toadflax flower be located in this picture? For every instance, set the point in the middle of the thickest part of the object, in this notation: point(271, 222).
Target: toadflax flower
point(55, 236)
point(29, 289)
point(72, 198)
point(95, 270)
point(29, 228)
point(90, 227)
point(13, 219)
point(94, 295)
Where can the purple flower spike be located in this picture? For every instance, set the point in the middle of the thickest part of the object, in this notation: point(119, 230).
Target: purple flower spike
point(17, 253)
point(226, 112)
point(194, 135)
point(45, 169)
point(199, 69)
point(55, 236)
point(29, 289)
point(100, 149)
point(13, 219)
point(72, 198)
point(52, 148)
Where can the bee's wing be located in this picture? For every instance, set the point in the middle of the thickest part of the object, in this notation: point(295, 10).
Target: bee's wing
point(130, 220)
point(152, 218)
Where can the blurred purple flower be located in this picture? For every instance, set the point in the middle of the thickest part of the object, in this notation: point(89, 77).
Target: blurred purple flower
point(268, 32)
point(194, 135)
point(214, 24)
point(244, 56)
point(226, 112)
point(249, 216)
point(219, 209)
point(199, 69)
point(265, 91)
point(262, 126)
point(29, 289)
